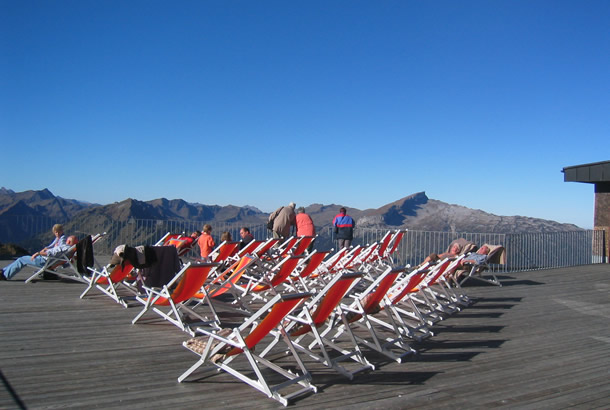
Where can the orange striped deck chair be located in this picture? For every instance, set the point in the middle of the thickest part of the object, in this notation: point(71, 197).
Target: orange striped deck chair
point(308, 329)
point(302, 245)
point(109, 279)
point(232, 350)
point(361, 313)
point(171, 301)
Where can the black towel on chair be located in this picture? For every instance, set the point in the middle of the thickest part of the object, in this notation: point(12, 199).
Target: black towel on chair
point(84, 254)
point(166, 267)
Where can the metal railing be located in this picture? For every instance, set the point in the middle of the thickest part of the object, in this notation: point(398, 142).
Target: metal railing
point(525, 251)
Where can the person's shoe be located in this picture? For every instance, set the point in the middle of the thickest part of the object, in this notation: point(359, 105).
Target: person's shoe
point(2, 277)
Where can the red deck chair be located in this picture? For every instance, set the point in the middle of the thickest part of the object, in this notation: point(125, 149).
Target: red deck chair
point(302, 245)
point(429, 298)
point(188, 283)
point(109, 279)
point(249, 248)
point(224, 251)
point(264, 250)
point(396, 239)
point(218, 351)
point(308, 329)
point(184, 244)
point(361, 312)
point(307, 269)
point(412, 322)
point(261, 282)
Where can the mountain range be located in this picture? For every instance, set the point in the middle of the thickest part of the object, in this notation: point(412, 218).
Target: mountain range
point(415, 212)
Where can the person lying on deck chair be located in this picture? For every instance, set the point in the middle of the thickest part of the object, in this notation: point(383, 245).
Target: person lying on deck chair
point(453, 252)
point(476, 258)
point(55, 248)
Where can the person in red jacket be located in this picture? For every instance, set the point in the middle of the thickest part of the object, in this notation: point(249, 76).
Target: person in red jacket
point(305, 226)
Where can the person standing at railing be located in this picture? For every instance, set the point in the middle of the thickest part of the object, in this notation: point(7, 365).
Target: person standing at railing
point(283, 219)
point(344, 228)
point(305, 226)
point(206, 242)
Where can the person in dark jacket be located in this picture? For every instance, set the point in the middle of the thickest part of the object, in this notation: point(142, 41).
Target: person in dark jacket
point(344, 228)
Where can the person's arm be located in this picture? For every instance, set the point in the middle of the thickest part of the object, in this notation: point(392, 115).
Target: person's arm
point(58, 250)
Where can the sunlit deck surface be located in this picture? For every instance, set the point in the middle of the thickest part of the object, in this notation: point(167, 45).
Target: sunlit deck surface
point(540, 341)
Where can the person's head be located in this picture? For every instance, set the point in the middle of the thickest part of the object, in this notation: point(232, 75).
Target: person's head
point(72, 240)
point(292, 205)
point(58, 229)
point(301, 210)
point(226, 236)
point(195, 234)
point(207, 228)
point(483, 250)
point(243, 232)
point(342, 210)
point(455, 249)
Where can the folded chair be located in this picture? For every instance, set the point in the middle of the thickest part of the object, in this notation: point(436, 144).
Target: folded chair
point(66, 260)
point(218, 350)
point(496, 256)
point(308, 329)
point(109, 280)
point(361, 313)
point(171, 301)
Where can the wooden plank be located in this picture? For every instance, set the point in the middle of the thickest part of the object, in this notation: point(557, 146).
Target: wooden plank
point(539, 341)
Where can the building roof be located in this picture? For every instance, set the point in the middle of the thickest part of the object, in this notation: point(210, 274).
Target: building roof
point(592, 173)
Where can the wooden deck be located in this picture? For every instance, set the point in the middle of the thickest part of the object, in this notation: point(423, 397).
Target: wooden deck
point(540, 341)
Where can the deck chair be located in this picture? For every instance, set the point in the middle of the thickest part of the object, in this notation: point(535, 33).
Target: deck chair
point(67, 261)
point(496, 256)
point(396, 239)
point(361, 313)
point(309, 328)
point(171, 301)
point(262, 282)
point(249, 248)
point(285, 247)
point(109, 280)
point(306, 269)
point(302, 245)
point(182, 243)
point(224, 251)
point(220, 349)
point(214, 293)
point(405, 314)
point(162, 240)
point(264, 250)
point(433, 289)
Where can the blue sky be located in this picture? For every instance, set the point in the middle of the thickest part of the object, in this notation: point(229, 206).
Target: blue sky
point(359, 103)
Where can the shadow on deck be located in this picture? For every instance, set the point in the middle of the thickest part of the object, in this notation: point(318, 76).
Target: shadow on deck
point(540, 340)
